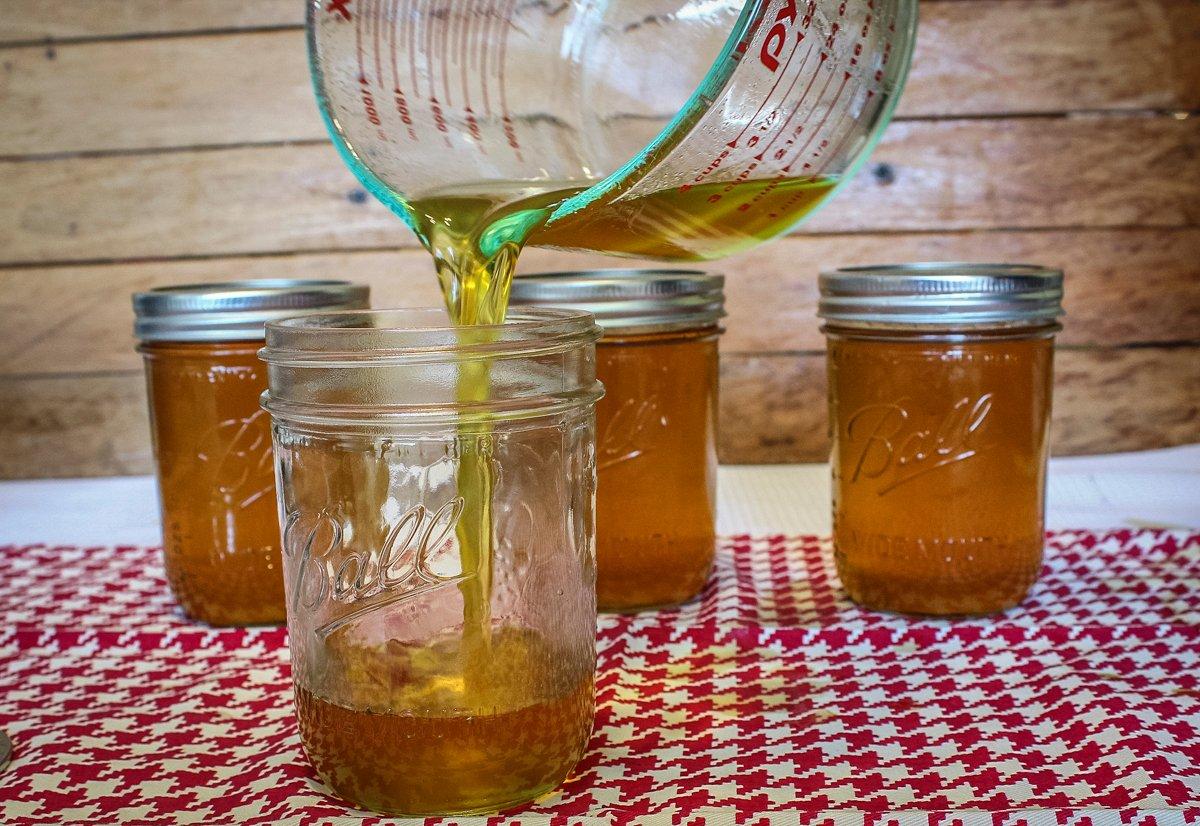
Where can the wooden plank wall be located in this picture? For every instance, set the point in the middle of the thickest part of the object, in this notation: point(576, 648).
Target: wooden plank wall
point(147, 142)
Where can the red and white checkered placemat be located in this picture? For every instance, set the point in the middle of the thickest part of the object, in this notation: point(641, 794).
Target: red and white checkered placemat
point(770, 700)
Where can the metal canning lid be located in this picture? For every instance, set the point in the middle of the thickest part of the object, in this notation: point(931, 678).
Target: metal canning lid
point(941, 294)
point(630, 300)
point(236, 310)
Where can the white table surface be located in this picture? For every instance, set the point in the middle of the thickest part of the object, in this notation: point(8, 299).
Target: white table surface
point(1151, 489)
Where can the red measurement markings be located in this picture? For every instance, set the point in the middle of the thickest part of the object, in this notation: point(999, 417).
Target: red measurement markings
point(777, 35)
point(480, 54)
point(444, 16)
point(464, 61)
point(460, 48)
point(397, 90)
point(829, 154)
point(712, 167)
point(733, 144)
point(786, 14)
point(435, 106)
point(778, 180)
point(758, 159)
point(358, 45)
point(742, 177)
point(339, 7)
point(824, 152)
point(412, 15)
point(485, 44)
point(364, 85)
point(377, 29)
point(427, 33)
point(510, 131)
point(823, 149)
point(821, 123)
point(796, 108)
point(739, 51)
point(826, 52)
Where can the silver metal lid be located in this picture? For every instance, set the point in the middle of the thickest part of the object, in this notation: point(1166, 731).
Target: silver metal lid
point(630, 300)
point(940, 294)
point(236, 310)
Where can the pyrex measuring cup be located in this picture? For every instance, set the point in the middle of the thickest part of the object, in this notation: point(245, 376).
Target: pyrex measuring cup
point(658, 128)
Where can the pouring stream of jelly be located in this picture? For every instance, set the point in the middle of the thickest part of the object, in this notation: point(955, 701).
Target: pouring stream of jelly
point(476, 234)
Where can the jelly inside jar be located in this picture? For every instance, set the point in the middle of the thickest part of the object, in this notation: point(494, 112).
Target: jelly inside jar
point(656, 468)
point(939, 470)
point(217, 481)
point(400, 731)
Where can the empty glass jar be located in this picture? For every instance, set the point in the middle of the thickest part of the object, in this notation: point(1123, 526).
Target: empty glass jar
point(656, 425)
point(437, 487)
point(940, 379)
point(212, 440)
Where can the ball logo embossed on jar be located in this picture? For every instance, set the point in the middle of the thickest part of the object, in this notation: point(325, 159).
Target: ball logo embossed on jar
point(894, 447)
point(349, 585)
point(239, 451)
point(625, 437)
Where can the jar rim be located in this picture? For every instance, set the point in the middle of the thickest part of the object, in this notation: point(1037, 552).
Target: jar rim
point(236, 310)
point(368, 338)
point(630, 301)
point(937, 294)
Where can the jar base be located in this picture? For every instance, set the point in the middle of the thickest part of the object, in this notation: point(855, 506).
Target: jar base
point(227, 616)
point(933, 605)
point(635, 575)
point(413, 733)
point(488, 809)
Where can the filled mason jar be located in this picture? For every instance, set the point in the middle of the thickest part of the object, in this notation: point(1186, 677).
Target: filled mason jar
point(212, 440)
point(656, 451)
point(940, 379)
point(437, 487)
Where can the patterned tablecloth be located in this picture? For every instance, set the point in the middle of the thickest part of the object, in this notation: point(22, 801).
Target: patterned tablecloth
point(770, 700)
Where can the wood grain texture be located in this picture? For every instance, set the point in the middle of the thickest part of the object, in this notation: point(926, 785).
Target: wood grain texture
point(174, 141)
point(1048, 56)
point(983, 57)
point(25, 20)
point(1122, 286)
point(155, 93)
point(77, 318)
point(94, 425)
point(1108, 399)
point(1095, 171)
point(773, 406)
point(960, 175)
point(772, 411)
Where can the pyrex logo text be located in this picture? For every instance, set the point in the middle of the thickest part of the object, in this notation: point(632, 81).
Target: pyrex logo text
point(776, 39)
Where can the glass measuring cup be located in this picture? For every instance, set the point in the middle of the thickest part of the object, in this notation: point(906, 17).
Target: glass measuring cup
point(681, 129)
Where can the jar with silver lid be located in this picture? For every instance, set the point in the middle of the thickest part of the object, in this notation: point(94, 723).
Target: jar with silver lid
point(212, 440)
point(940, 379)
point(656, 425)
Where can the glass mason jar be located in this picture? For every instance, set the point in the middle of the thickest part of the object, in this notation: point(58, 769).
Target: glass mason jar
point(656, 450)
point(437, 487)
point(212, 440)
point(940, 378)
